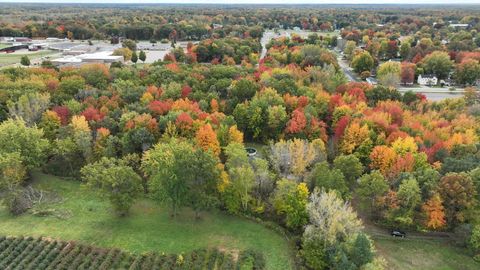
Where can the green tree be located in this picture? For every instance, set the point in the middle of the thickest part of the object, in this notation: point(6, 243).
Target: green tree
point(437, 63)
point(389, 74)
point(242, 178)
point(409, 197)
point(370, 188)
point(361, 252)
point(363, 62)
point(115, 180)
point(12, 174)
point(242, 90)
point(25, 61)
point(134, 57)
point(409, 193)
point(130, 44)
point(467, 72)
point(349, 48)
point(142, 56)
point(169, 167)
point(203, 185)
point(474, 241)
point(405, 49)
point(291, 199)
point(16, 137)
point(329, 179)
point(350, 166)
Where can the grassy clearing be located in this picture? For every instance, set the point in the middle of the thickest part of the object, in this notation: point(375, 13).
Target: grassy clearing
point(148, 228)
point(416, 254)
point(13, 58)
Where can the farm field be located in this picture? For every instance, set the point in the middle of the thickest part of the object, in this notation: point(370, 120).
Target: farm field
point(83, 217)
point(43, 253)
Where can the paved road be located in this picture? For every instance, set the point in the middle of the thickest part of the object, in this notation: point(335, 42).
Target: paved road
point(432, 93)
point(347, 70)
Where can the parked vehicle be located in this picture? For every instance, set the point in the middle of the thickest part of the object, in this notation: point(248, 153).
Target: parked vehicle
point(398, 233)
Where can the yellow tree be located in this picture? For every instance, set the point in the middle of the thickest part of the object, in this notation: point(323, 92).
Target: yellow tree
point(235, 135)
point(354, 136)
point(382, 158)
point(302, 155)
point(402, 146)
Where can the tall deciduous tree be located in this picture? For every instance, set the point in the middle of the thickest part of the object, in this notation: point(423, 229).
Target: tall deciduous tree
point(291, 199)
point(207, 139)
point(467, 72)
point(115, 180)
point(181, 175)
point(435, 212)
point(363, 62)
point(293, 157)
point(407, 73)
point(15, 136)
point(437, 63)
point(389, 74)
point(328, 179)
point(458, 193)
point(331, 220)
point(371, 187)
point(241, 176)
point(29, 107)
point(350, 166)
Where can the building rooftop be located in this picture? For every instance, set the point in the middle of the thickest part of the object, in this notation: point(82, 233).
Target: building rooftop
point(105, 56)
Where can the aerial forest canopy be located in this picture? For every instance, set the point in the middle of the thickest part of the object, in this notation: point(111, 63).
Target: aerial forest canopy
point(239, 130)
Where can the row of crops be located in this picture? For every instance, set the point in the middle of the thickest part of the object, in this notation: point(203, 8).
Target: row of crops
point(45, 254)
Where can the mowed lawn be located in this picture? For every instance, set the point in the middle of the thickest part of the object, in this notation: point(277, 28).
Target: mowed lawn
point(148, 228)
point(421, 254)
point(14, 58)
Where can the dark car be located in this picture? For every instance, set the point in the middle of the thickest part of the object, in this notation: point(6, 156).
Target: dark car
point(398, 233)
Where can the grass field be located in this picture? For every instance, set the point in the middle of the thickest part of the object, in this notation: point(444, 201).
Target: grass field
point(13, 58)
point(148, 228)
point(422, 254)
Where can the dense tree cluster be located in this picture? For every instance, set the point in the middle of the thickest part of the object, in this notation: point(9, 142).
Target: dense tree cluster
point(176, 130)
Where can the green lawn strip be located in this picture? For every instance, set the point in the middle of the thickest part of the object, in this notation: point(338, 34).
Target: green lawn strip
point(416, 254)
point(148, 228)
point(11, 58)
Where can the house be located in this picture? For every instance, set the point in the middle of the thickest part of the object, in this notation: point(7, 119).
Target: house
point(427, 79)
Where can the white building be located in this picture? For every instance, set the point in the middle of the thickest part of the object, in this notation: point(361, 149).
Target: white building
point(105, 57)
point(427, 79)
point(459, 25)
